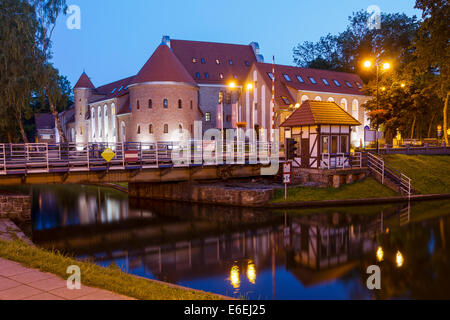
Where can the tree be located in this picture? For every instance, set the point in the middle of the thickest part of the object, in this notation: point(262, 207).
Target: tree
point(432, 49)
point(47, 12)
point(17, 64)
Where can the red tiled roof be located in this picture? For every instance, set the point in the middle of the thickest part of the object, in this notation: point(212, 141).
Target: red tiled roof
point(319, 112)
point(44, 121)
point(84, 82)
point(186, 51)
point(125, 108)
point(281, 82)
point(114, 89)
point(163, 65)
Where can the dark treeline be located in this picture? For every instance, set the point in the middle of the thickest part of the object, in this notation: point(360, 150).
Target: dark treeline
point(415, 90)
point(29, 83)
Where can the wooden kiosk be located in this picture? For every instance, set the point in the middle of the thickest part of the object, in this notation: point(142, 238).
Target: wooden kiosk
point(322, 131)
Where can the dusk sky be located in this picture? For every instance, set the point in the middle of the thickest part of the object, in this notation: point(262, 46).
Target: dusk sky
point(117, 37)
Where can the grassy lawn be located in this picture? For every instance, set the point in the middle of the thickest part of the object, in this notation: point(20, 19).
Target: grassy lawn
point(368, 188)
point(430, 174)
point(112, 278)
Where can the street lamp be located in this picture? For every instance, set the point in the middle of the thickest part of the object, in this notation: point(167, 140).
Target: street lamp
point(384, 67)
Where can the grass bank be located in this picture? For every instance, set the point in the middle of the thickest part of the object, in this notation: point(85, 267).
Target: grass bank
point(112, 278)
point(430, 174)
point(369, 188)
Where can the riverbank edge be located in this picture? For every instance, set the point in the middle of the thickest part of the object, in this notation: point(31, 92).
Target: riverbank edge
point(16, 234)
point(25, 249)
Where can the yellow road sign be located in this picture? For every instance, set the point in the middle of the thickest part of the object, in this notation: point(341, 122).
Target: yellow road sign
point(108, 154)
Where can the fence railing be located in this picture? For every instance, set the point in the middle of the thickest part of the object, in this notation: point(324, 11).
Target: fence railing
point(378, 166)
point(63, 157)
point(341, 160)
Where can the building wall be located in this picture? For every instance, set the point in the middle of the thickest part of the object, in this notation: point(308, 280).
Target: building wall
point(158, 116)
point(81, 97)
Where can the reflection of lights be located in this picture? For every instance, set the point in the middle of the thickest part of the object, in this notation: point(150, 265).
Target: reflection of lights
point(234, 277)
point(399, 259)
point(251, 272)
point(380, 254)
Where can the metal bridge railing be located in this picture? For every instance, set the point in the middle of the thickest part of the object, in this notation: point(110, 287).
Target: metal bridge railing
point(66, 157)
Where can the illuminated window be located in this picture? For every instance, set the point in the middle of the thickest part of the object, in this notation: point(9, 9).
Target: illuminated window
point(230, 62)
point(318, 98)
point(287, 77)
point(285, 100)
point(325, 81)
point(208, 116)
point(197, 74)
point(120, 89)
point(300, 79)
point(206, 75)
point(221, 75)
point(113, 90)
point(166, 104)
point(247, 63)
point(313, 81)
point(337, 83)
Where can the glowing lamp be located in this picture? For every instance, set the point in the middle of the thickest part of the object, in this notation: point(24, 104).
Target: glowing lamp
point(367, 64)
point(386, 66)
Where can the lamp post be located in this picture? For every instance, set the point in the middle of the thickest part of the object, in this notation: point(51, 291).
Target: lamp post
point(384, 67)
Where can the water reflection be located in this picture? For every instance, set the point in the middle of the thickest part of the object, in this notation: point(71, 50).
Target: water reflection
point(255, 254)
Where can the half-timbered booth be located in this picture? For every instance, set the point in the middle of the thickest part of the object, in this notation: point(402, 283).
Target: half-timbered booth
point(322, 131)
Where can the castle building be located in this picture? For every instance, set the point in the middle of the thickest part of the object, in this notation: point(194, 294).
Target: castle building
point(222, 85)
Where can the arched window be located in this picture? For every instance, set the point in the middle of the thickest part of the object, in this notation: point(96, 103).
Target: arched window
point(138, 129)
point(344, 104)
point(180, 128)
point(165, 103)
point(138, 105)
point(123, 131)
point(180, 104)
point(72, 133)
point(318, 98)
point(166, 128)
point(355, 109)
point(305, 98)
point(150, 129)
point(93, 122)
point(330, 99)
point(113, 115)
point(100, 131)
point(106, 126)
point(192, 104)
point(150, 103)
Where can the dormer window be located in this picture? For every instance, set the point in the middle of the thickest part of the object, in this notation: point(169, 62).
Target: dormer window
point(325, 81)
point(287, 77)
point(286, 100)
point(194, 60)
point(270, 75)
point(313, 81)
point(203, 61)
point(206, 75)
point(217, 61)
point(300, 79)
point(337, 83)
point(348, 84)
point(247, 63)
point(120, 89)
point(197, 75)
point(114, 90)
point(221, 75)
point(230, 62)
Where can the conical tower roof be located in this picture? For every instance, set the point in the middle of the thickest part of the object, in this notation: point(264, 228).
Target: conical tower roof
point(84, 82)
point(163, 65)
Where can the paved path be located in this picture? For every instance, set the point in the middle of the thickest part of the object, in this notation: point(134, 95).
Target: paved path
point(21, 283)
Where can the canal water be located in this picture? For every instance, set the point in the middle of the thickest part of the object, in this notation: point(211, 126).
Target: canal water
point(253, 253)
